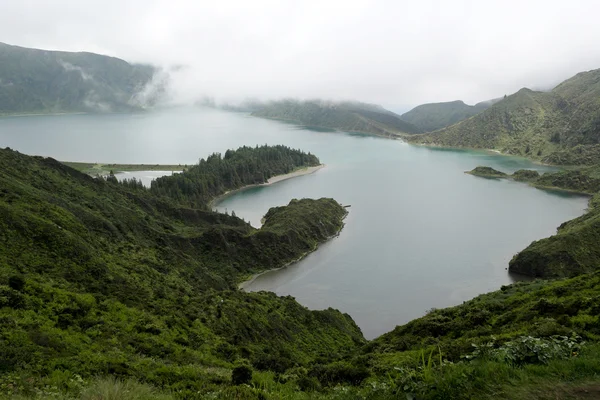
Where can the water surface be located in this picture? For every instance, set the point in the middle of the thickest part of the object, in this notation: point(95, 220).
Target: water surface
point(420, 233)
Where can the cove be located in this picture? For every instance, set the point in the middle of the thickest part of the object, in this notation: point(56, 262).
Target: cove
point(421, 234)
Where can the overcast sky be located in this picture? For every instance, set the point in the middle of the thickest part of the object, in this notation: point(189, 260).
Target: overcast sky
point(396, 53)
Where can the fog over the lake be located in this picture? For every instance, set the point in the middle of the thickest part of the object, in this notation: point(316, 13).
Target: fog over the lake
point(396, 53)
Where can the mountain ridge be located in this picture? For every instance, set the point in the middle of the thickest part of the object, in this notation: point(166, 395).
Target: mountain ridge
point(557, 127)
point(44, 81)
point(431, 117)
point(344, 116)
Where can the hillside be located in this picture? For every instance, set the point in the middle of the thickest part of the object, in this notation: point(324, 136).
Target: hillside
point(40, 81)
point(559, 127)
point(344, 116)
point(433, 116)
point(101, 280)
point(98, 277)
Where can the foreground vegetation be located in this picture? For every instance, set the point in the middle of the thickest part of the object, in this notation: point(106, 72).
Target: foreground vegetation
point(112, 290)
point(99, 278)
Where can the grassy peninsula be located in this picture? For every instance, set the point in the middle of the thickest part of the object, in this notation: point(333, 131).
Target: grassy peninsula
point(344, 116)
point(487, 172)
point(105, 169)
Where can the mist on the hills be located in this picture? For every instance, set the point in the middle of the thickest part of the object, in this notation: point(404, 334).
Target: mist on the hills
point(395, 53)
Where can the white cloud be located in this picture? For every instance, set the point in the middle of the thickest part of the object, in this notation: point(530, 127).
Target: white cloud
point(396, 53)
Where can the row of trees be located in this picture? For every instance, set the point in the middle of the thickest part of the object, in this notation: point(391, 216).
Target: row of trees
point(218, 173)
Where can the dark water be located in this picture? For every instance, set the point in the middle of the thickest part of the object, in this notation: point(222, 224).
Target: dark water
point(420, 233)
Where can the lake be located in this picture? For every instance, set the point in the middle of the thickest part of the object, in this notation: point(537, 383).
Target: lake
point(421, 234)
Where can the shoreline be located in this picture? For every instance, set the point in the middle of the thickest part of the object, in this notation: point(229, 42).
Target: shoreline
point(277, 178)
point(389, 135)
point(494, 151)
point(243, 284)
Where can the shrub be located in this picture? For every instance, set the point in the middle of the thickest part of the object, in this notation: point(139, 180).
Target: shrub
point(242, 374)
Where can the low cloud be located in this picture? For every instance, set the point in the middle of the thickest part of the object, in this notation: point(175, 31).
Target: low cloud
point(395, 53)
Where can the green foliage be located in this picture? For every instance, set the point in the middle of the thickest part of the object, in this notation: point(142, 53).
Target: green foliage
point(434, 116)
point(241, 375)
point(525, 175)
point(218, 174)
point(113, 389)
point(345, 116)
point(103, 278)
point(39, 81)
point(529, 350)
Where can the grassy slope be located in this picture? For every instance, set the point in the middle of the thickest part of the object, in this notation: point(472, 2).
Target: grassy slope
point(39, 81)
point(98, 278)
point(560, 127)
point(434, 116)
point(351, 117)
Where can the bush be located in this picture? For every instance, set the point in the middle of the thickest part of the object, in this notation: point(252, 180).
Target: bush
point(16, 282)
point(339, 372)
point(242, 374)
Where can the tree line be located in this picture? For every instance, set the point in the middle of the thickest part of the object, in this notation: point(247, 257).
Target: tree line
point(219, 173)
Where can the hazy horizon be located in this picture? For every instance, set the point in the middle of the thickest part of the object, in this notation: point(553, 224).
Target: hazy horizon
point(397, 54)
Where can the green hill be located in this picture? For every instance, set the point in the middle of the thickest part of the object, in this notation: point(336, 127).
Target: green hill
point(40, 81)
point(344, 116)
point(434, 116)
point(559, 127)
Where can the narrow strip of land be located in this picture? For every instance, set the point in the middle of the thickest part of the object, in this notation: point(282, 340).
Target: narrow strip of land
point(104, 169)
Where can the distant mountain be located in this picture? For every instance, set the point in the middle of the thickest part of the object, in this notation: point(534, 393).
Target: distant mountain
point(433, 116)
point(345, 116)
point(40, 81)
point(561, 126)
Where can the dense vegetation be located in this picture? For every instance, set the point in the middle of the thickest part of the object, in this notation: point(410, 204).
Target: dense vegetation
point(344, 116)
point(40, 81)
point(559, 127)
point(102, 281)
point(433, 116)
point(218, 174)
point(98, 278)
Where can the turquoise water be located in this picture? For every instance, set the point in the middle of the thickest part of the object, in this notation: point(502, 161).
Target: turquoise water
point(421, 234)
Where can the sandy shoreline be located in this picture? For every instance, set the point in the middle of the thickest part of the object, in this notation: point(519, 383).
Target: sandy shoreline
point(271, 181)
